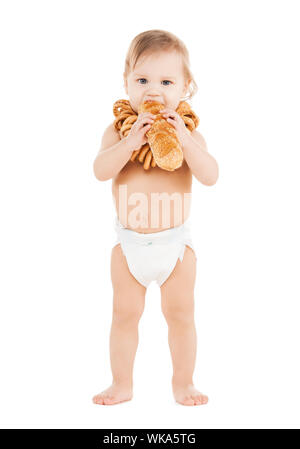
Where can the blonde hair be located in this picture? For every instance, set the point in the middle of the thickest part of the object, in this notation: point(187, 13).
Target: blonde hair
point(152, 41)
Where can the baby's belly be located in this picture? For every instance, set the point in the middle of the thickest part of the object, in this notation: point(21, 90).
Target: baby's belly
point(154, 200)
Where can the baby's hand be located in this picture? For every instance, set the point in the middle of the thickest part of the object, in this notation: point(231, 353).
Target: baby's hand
point(136, 136)
point(174, 119)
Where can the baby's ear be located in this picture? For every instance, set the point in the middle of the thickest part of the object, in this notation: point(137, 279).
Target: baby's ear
point(125, 84)
point(186, 86)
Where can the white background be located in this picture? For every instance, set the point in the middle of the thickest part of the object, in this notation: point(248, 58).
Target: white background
point(62, 66)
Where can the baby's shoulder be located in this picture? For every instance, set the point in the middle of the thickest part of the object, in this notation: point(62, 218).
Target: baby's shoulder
point(112, 129)
point(110, 136)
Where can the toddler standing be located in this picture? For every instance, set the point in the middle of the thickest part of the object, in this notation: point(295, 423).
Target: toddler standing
point(153, 244)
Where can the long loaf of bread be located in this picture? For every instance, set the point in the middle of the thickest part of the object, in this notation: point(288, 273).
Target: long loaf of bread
point(162, 138)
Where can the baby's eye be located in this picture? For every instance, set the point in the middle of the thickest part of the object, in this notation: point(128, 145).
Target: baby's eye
point(163, 81)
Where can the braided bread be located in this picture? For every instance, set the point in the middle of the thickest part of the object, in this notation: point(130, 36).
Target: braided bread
point(163, 147)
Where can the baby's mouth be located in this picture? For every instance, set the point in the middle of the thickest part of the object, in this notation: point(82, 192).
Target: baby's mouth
point(153, 101)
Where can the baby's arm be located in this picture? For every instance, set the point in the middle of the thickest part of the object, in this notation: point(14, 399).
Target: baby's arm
point(202, 164)
point(113, 155)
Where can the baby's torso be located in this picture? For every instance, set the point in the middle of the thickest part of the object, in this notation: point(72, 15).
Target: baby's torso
point(152, 200)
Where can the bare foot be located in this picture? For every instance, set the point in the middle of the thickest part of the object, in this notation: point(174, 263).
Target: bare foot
point(113, 395)
point(188, 395)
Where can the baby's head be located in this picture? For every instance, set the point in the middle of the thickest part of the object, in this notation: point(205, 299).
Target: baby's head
point(157, 68)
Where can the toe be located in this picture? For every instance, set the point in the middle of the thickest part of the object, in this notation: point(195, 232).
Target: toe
point(196, 399)
point(109, 400)
point(188, 400)
point(199, 399)
point(98, 400)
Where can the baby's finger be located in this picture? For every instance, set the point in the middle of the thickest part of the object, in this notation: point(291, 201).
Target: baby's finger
point(145, 129)
point(146, 114)
point(145, 120)
point(170, 114)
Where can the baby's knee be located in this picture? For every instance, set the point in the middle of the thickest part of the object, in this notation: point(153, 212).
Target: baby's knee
point(179, 317)
point(127, 316)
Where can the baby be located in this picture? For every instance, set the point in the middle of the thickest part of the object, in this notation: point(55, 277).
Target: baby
point(153, 244)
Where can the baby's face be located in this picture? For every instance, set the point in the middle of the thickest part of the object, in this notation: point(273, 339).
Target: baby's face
point(157, 77)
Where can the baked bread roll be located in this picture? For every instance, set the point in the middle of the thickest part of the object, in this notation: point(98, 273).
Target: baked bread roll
point(126, 117)
point(162, 138)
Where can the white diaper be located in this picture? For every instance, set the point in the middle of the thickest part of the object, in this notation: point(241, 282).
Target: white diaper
point(152, 257)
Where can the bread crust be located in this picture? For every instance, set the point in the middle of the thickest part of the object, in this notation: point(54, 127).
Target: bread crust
point(162, 138)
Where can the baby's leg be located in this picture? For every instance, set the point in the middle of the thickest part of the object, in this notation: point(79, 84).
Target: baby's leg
point(177, 301)
point(128, 306)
